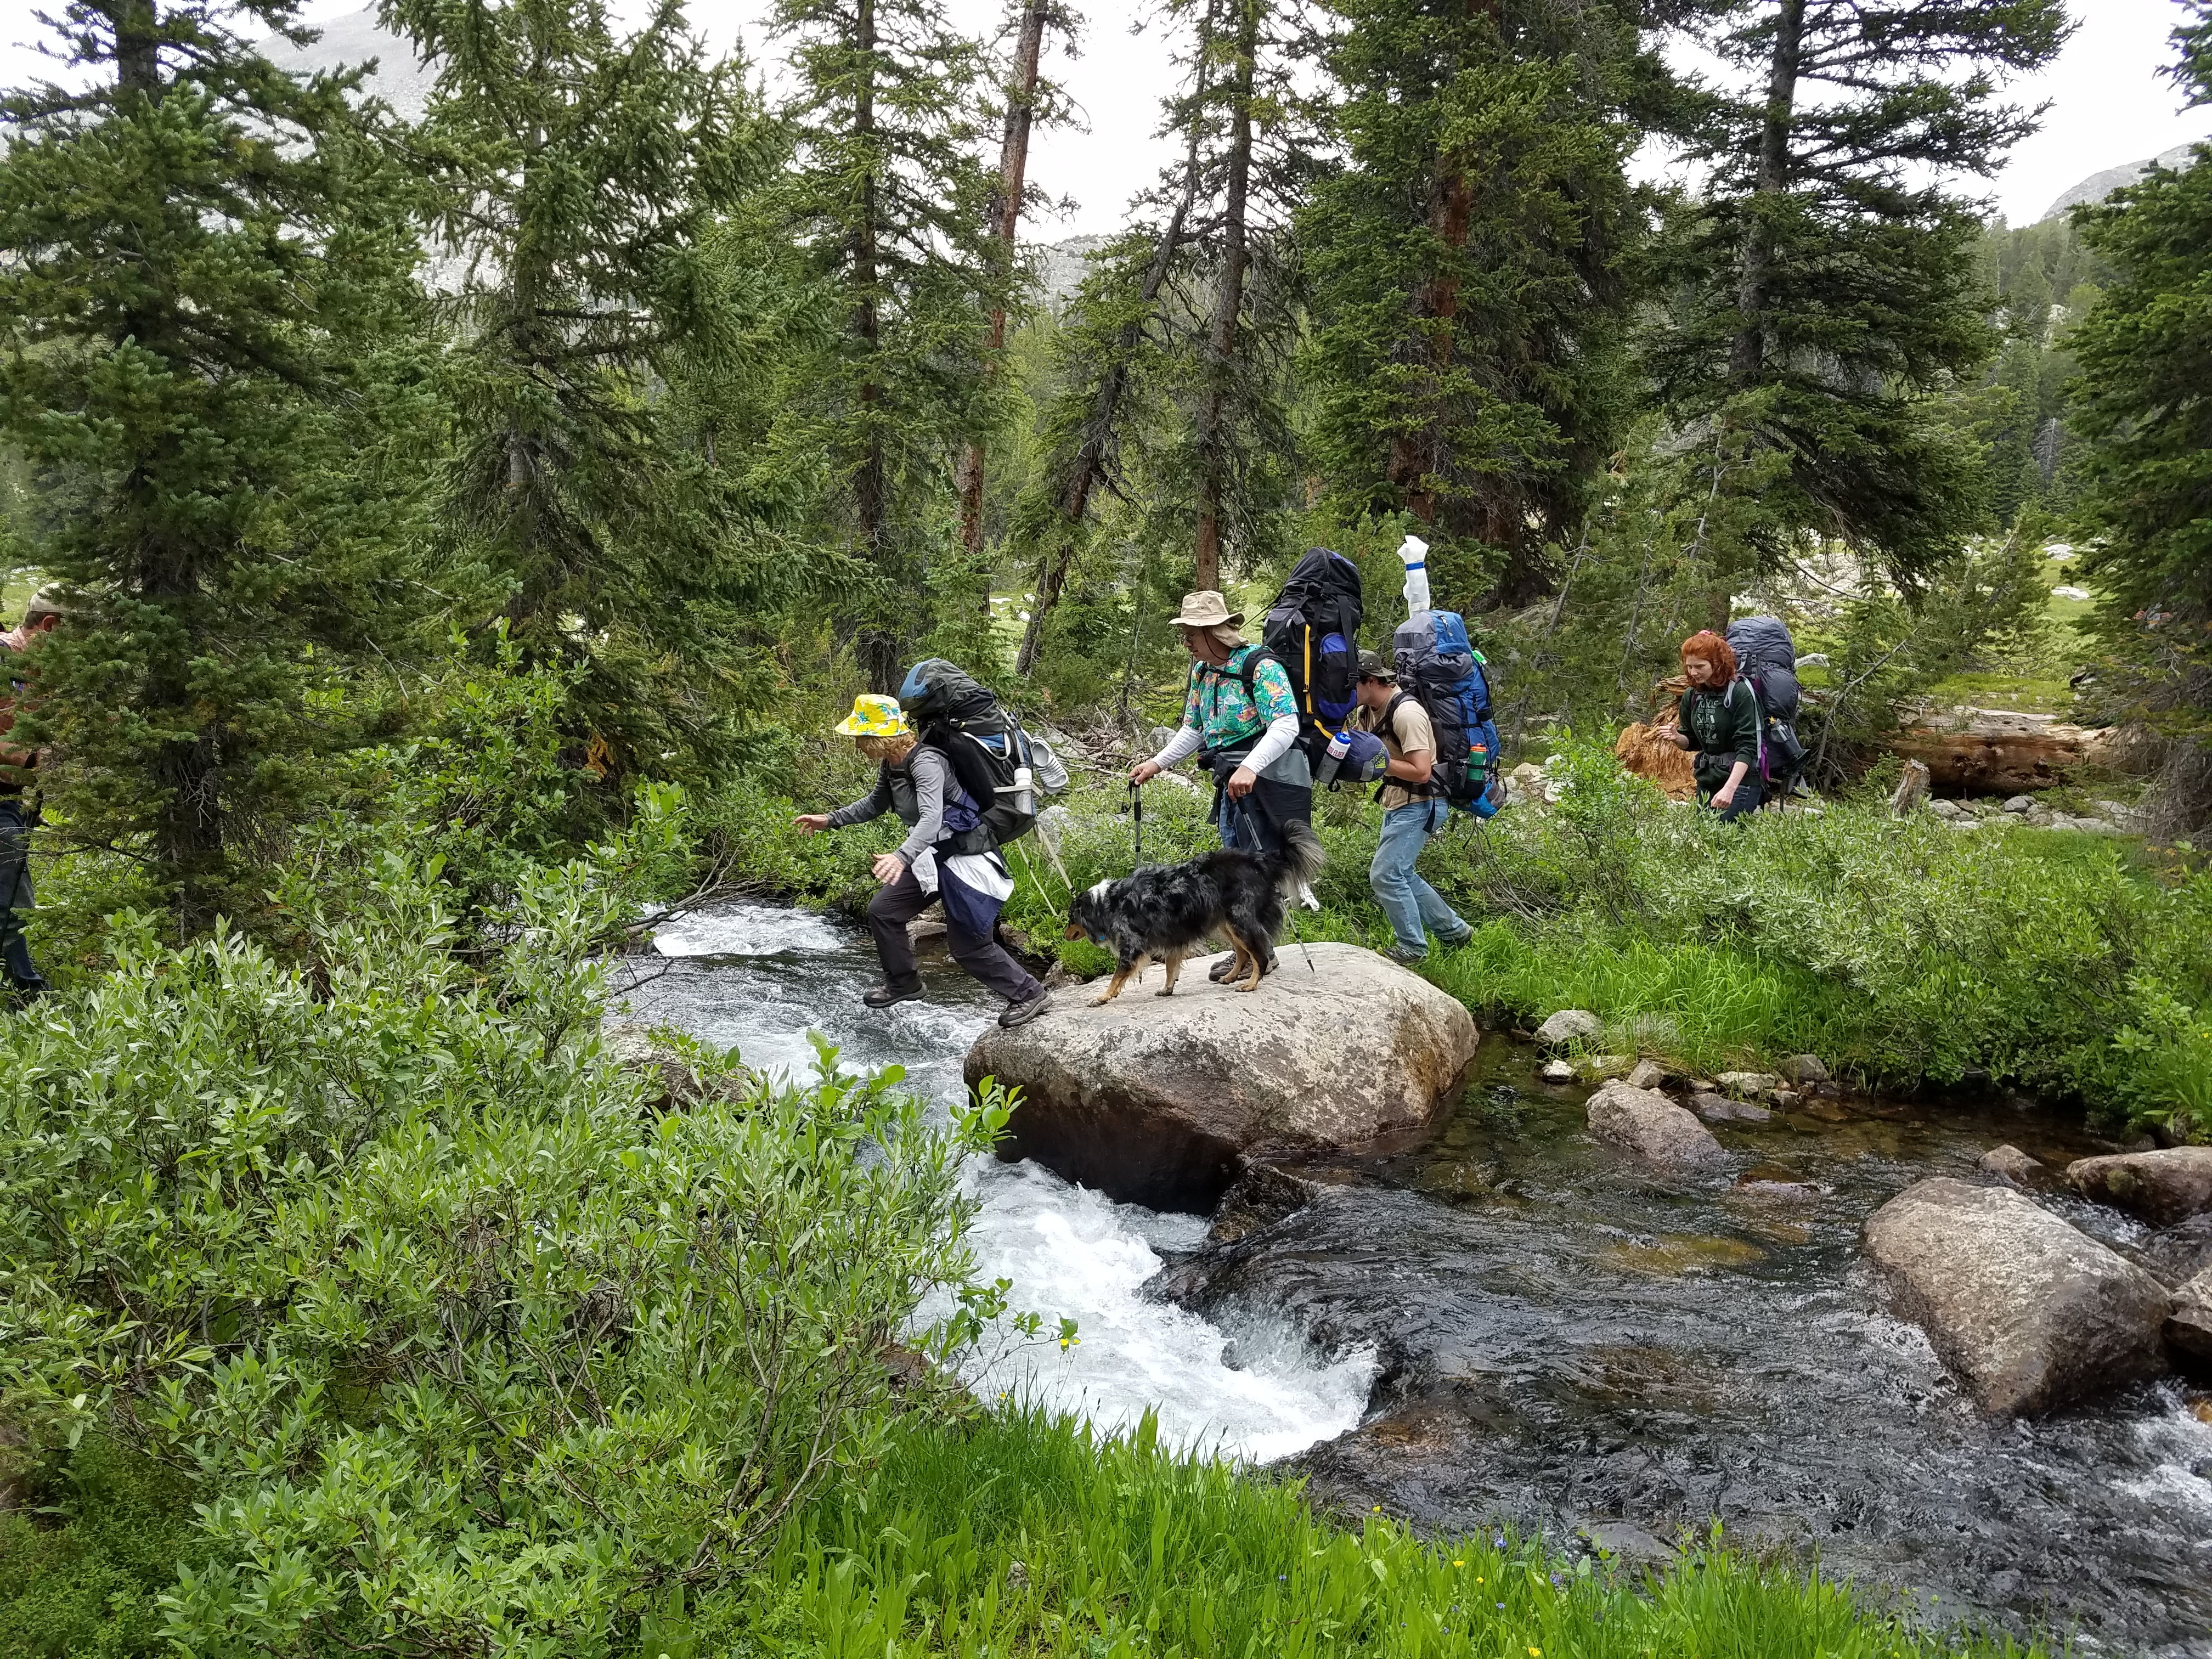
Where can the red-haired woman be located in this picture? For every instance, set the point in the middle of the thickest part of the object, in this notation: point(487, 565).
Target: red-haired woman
point(1718, 721)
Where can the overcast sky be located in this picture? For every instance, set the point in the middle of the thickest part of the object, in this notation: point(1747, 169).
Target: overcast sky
point(2109, 103)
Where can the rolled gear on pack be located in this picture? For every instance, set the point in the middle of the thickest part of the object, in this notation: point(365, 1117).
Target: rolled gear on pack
point(1439, 666)
point(1766, 657)
point(1313, 630)
point(1007, 772)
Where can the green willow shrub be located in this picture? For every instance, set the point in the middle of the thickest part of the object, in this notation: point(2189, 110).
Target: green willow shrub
point(463, 1342)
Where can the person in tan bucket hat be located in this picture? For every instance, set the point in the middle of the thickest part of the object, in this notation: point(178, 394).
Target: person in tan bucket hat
point(1240, 718)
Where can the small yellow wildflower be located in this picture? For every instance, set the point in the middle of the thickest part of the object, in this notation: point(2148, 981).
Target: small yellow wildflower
point(1535, 1653)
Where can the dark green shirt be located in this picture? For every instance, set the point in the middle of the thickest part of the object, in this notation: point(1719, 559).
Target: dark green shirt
point(1723, 729)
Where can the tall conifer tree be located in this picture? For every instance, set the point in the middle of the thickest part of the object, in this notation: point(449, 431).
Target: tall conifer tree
point(199, 256)
point(576, 176)
point(1824, 280)
point(891, 197)
point(1188, 324)
point(1467, 269)
point(2145, 355)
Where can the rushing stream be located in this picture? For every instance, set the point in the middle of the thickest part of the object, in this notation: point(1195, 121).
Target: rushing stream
point(1511, 1322)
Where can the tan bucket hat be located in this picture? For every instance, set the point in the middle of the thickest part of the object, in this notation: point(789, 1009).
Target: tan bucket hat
point(1206, 609)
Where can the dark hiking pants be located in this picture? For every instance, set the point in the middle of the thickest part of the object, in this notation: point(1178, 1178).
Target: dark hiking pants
point(16, 898)
point(894, 906)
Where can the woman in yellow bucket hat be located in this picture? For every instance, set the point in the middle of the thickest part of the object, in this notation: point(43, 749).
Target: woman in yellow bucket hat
point(946, 857)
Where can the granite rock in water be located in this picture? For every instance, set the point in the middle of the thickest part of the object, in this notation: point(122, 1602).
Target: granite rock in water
point(2027, 1311)
point(1653, 1127)
point(1166, 1102)
point(2012, 1164)
point(2161, 1186)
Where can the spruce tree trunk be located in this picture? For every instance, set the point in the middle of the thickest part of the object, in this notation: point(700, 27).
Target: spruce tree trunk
point(1005, 216)
point(188, 830)
point(1747, 352)
point(879, 642)
point(1450, 205)
point(137, 56)
point(1228, 301)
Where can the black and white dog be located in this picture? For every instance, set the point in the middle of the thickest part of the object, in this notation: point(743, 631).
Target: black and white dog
point(1162, 912)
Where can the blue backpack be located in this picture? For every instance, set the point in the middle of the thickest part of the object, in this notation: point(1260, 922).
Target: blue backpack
point(1441, 671)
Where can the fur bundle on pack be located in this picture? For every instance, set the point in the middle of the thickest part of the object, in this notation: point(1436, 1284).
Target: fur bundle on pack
point(1648, 749)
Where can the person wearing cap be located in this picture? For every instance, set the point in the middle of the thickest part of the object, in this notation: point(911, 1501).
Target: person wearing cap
point(18, 768)
point(947, 857)
point(1411, 814)
point(1240, 718)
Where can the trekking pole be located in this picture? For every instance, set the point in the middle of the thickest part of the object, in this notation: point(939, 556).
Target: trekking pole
point(1030, 870)
point(1136, 820)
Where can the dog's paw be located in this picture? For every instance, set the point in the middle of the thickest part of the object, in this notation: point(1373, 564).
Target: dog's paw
point(1168, 993)
point(1100, 1002)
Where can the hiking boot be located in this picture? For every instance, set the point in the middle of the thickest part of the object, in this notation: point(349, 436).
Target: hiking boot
point(1021, 1013)
point(1404, 957)
point(1221, 969)
point(885, 994)
point(1456, 940)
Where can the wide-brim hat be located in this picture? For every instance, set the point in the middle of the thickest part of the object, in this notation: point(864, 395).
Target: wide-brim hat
point(1374, 665)
point(1206, 609)
point(874, 716)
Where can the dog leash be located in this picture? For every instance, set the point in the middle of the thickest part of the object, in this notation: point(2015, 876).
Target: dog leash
point(1252, 833)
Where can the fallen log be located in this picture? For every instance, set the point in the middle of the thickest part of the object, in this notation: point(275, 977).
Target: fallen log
point(1995, 751)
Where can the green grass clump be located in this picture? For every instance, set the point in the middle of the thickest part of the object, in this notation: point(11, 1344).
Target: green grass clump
point(1020, 1533)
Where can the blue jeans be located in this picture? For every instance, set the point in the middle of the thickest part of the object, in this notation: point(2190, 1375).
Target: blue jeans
point(1414, 907)
point(1747, 799)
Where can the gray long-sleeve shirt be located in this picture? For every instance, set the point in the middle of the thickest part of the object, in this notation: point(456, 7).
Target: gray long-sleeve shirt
point(916, 792)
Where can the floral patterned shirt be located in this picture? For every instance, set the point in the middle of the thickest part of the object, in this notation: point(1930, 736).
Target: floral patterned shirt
point(1217, 708)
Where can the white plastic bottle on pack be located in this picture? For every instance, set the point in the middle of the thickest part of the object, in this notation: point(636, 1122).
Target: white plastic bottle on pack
point(1415, 552)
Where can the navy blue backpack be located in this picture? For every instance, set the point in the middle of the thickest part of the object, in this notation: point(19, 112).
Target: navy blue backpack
point(1441, 669)
point(1313, 630)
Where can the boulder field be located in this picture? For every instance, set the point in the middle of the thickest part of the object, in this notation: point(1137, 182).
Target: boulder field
point(1166, 1102)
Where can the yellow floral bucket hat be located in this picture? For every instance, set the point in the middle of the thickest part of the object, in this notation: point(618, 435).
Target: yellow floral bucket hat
point(873, 717)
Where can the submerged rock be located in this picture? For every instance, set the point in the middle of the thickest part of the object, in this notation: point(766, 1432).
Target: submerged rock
point(2026, 1310)
point(2161, 1186)
point(1556, 1071)
point(1569, 1025)
point(1653, 1127)
point(2189, 1325)
point(1719, 1108)
point(1165, 1103)
point(2012, 1164)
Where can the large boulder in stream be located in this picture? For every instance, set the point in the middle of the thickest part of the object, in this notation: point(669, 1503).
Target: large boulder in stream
point(1652, 1126)
point(2028, 1311)
point(2163, 1187)
point(1166, 1102)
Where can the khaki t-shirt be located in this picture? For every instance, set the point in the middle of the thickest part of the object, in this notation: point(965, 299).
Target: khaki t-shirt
point(1412, 734)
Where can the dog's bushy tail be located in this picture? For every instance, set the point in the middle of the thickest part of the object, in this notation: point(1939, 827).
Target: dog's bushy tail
point(1301, 859)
